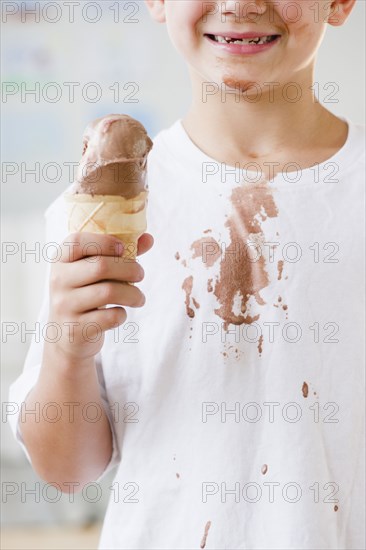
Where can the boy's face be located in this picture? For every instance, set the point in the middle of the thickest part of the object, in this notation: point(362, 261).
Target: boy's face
point(290, 33)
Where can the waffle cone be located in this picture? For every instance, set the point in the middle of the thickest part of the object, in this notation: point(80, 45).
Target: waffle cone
point(109, 215)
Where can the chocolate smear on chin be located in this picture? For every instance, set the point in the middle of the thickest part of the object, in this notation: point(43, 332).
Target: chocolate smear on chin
point(241, 86)
point(241, 279)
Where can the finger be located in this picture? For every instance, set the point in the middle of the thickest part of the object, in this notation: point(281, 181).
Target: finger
point(95, 269)
point(145, 242)
point(93, 324)
point(81, 245)
point(99, 295)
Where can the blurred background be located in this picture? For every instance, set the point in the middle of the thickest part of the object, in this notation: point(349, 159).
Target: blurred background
point(63, 64)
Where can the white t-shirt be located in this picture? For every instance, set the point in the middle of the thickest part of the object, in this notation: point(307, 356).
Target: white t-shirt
point(236, 393)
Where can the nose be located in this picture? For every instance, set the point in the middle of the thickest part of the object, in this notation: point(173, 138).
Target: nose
point(243, 8)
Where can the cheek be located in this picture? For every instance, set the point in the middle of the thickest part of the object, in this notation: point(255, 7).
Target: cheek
point(291, 12)
point(306, 36)
point(182, 19)
point(304, 15)
point(304, 24)
point(184, 14)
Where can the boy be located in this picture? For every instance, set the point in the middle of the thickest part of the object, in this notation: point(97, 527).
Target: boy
point(232, 402)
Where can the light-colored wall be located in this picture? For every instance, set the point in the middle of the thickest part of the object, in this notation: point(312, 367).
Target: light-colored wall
point(105, 52)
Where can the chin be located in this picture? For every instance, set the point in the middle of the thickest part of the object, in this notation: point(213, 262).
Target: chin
point(240, 84)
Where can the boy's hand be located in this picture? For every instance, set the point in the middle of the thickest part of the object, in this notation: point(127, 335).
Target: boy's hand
point(91, 274)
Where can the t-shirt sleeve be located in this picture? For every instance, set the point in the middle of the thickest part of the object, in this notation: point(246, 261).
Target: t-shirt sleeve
point(56, 231)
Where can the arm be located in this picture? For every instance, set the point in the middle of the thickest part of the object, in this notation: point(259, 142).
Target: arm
point(74, 449)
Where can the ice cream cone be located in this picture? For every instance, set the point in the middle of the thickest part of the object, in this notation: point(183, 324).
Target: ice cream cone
point(109, 214)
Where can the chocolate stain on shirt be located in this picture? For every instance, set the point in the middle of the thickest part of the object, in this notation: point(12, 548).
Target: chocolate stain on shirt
point(177, 475)
point(252, 204)
point(209, 285)
point(208, 249)
point(264, 469)
point(260, 344)
point(280, 269)
point(305, 390)
point(187, 287)
point(195, 303)
point(335, 508)
point(204, 538)
point(177, 256)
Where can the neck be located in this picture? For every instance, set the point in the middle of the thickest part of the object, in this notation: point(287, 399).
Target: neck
point(230, 126)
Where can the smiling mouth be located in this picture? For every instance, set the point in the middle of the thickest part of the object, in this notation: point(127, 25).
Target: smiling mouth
point(255, 40)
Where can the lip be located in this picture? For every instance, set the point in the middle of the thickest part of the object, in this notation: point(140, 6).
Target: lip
point(238, 35)
point(240, 49)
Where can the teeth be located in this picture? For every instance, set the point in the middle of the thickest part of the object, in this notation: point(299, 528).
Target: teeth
point(255, 40)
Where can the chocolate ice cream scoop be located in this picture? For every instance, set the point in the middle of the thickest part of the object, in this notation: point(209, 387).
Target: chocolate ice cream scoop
point(114, 157)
